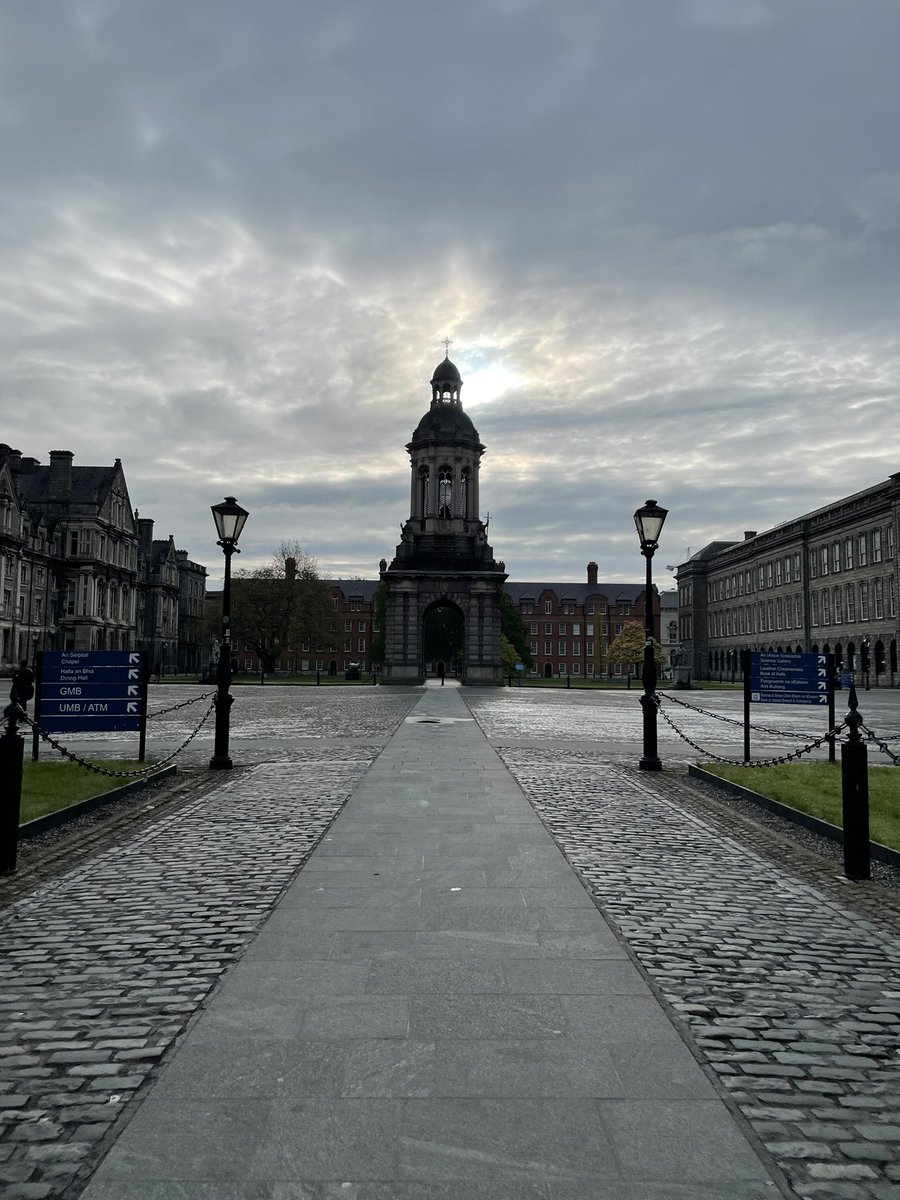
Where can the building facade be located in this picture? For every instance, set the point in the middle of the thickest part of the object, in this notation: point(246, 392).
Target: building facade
point(571, 625)
point(71, 574)
point(825, 582)
point(444, 561)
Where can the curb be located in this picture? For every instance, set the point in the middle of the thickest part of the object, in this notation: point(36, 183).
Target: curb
point(63, 815)
point(834, 833)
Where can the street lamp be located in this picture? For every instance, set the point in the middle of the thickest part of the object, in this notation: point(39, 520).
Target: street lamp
point(230, 519)
point(649, 521)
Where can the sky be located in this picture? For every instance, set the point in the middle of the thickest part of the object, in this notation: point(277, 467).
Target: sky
point(662, 236)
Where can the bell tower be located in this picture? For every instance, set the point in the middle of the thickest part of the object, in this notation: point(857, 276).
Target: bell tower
point(443, 558)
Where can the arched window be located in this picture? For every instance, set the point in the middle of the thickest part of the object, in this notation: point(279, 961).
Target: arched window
point(424, 481)
point(445, 493)
point(464, 493)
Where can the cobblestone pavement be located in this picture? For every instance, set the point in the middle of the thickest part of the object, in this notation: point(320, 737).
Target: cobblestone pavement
point(104, 965)
point(791, 995)
point(788, 991)
point(612, 717)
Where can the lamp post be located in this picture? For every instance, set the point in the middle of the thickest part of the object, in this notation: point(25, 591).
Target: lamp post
point(230, 519)
point(649, 521)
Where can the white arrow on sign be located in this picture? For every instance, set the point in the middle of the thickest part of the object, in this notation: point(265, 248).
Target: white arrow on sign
point(134, 674)
point(131, 707)
point(133, 691)
point(134, 658)
point(821, 672)
point(822, 686)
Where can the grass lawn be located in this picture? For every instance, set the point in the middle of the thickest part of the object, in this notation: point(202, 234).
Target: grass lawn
point(48, 786)
point(815, 788)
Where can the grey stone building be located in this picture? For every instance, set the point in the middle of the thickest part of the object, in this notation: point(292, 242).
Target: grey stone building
point(444, 559)
point(823, 582)
point(71, 577)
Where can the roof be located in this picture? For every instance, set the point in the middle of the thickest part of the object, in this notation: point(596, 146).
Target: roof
point(89, 485)
point(446, 423)
point(446, 371)
point(354, 587)
point(626, 593)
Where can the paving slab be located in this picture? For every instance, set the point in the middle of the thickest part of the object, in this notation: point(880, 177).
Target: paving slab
point(435, 1009)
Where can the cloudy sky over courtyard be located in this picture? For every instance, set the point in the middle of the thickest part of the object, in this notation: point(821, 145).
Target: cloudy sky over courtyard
point(662, 235)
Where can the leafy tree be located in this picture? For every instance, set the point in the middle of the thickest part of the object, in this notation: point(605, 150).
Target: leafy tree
point(628, 648)
point(509, 656)
point(379, 620)
point(281, 605)
point(512, 628)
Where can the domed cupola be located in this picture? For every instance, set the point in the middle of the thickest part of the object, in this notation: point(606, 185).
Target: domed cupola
point(446, 383)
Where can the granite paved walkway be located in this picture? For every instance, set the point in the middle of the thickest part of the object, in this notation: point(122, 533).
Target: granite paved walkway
point(434, 1011)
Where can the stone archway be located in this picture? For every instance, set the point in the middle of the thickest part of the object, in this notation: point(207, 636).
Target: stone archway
point(443, 639)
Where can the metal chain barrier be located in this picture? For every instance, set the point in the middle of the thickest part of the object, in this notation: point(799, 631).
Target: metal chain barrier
point(732, 720)
point(182, 704)
point(89, 766)
point(882, 746)
point(738, 762)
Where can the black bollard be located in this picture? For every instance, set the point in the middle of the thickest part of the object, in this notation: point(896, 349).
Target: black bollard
point(855, 795)
point(12, 752)
point(318, 679)
point(568, 681)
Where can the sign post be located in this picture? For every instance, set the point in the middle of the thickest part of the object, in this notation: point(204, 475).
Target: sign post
point(779, 678)
point(91, 691)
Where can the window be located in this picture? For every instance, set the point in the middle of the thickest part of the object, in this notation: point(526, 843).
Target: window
point(562, 629)
point(576, 629)
point(568, 609)
point(445, 493)
point(779, 614)
point(813, 565)
point(838, 607)
point(348, 627)
point(848, 554)
point(835, 557)
point(362, 626)
point(533, 627)
point(576, 648)
point(334, 602)
point(862, 548)
point(348, 646)
point(823, 559)
point(534, 649)
point(876, 545)
point(787, 569)
point(361, 645)
point(778, 572)
point(576, 668)
point(589, 649)
point(814, 608)
point(589, 630)
point(73, 544)
point(851, 602)
point(590, 668)
point(892, 596)
point(878, 598)
point(548, 648)
point(890, 541)
point(590, 610)
point(548, 606)
point(826, 607)
point(761, 578)
point(562, 668)
point(548, 628)
point(527, 607)
point(864, 601)
point(562, 647)
point(618, 628)
point(356, 603)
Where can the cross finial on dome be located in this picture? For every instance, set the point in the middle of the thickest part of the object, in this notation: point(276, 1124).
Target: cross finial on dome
point(447, 344)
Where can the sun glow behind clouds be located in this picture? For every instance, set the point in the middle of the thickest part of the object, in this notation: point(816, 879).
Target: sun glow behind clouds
point(487, 384)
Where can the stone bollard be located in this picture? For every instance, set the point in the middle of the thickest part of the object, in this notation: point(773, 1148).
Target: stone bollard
point(12, 752)
point(855, 795)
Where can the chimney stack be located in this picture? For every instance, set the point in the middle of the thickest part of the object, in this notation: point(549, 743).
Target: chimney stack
point(61, 474)
point(592, 574)
point(748, 534)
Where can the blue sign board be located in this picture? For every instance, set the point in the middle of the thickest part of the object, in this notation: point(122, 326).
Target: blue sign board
point(92, 691)
point(777, 678)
